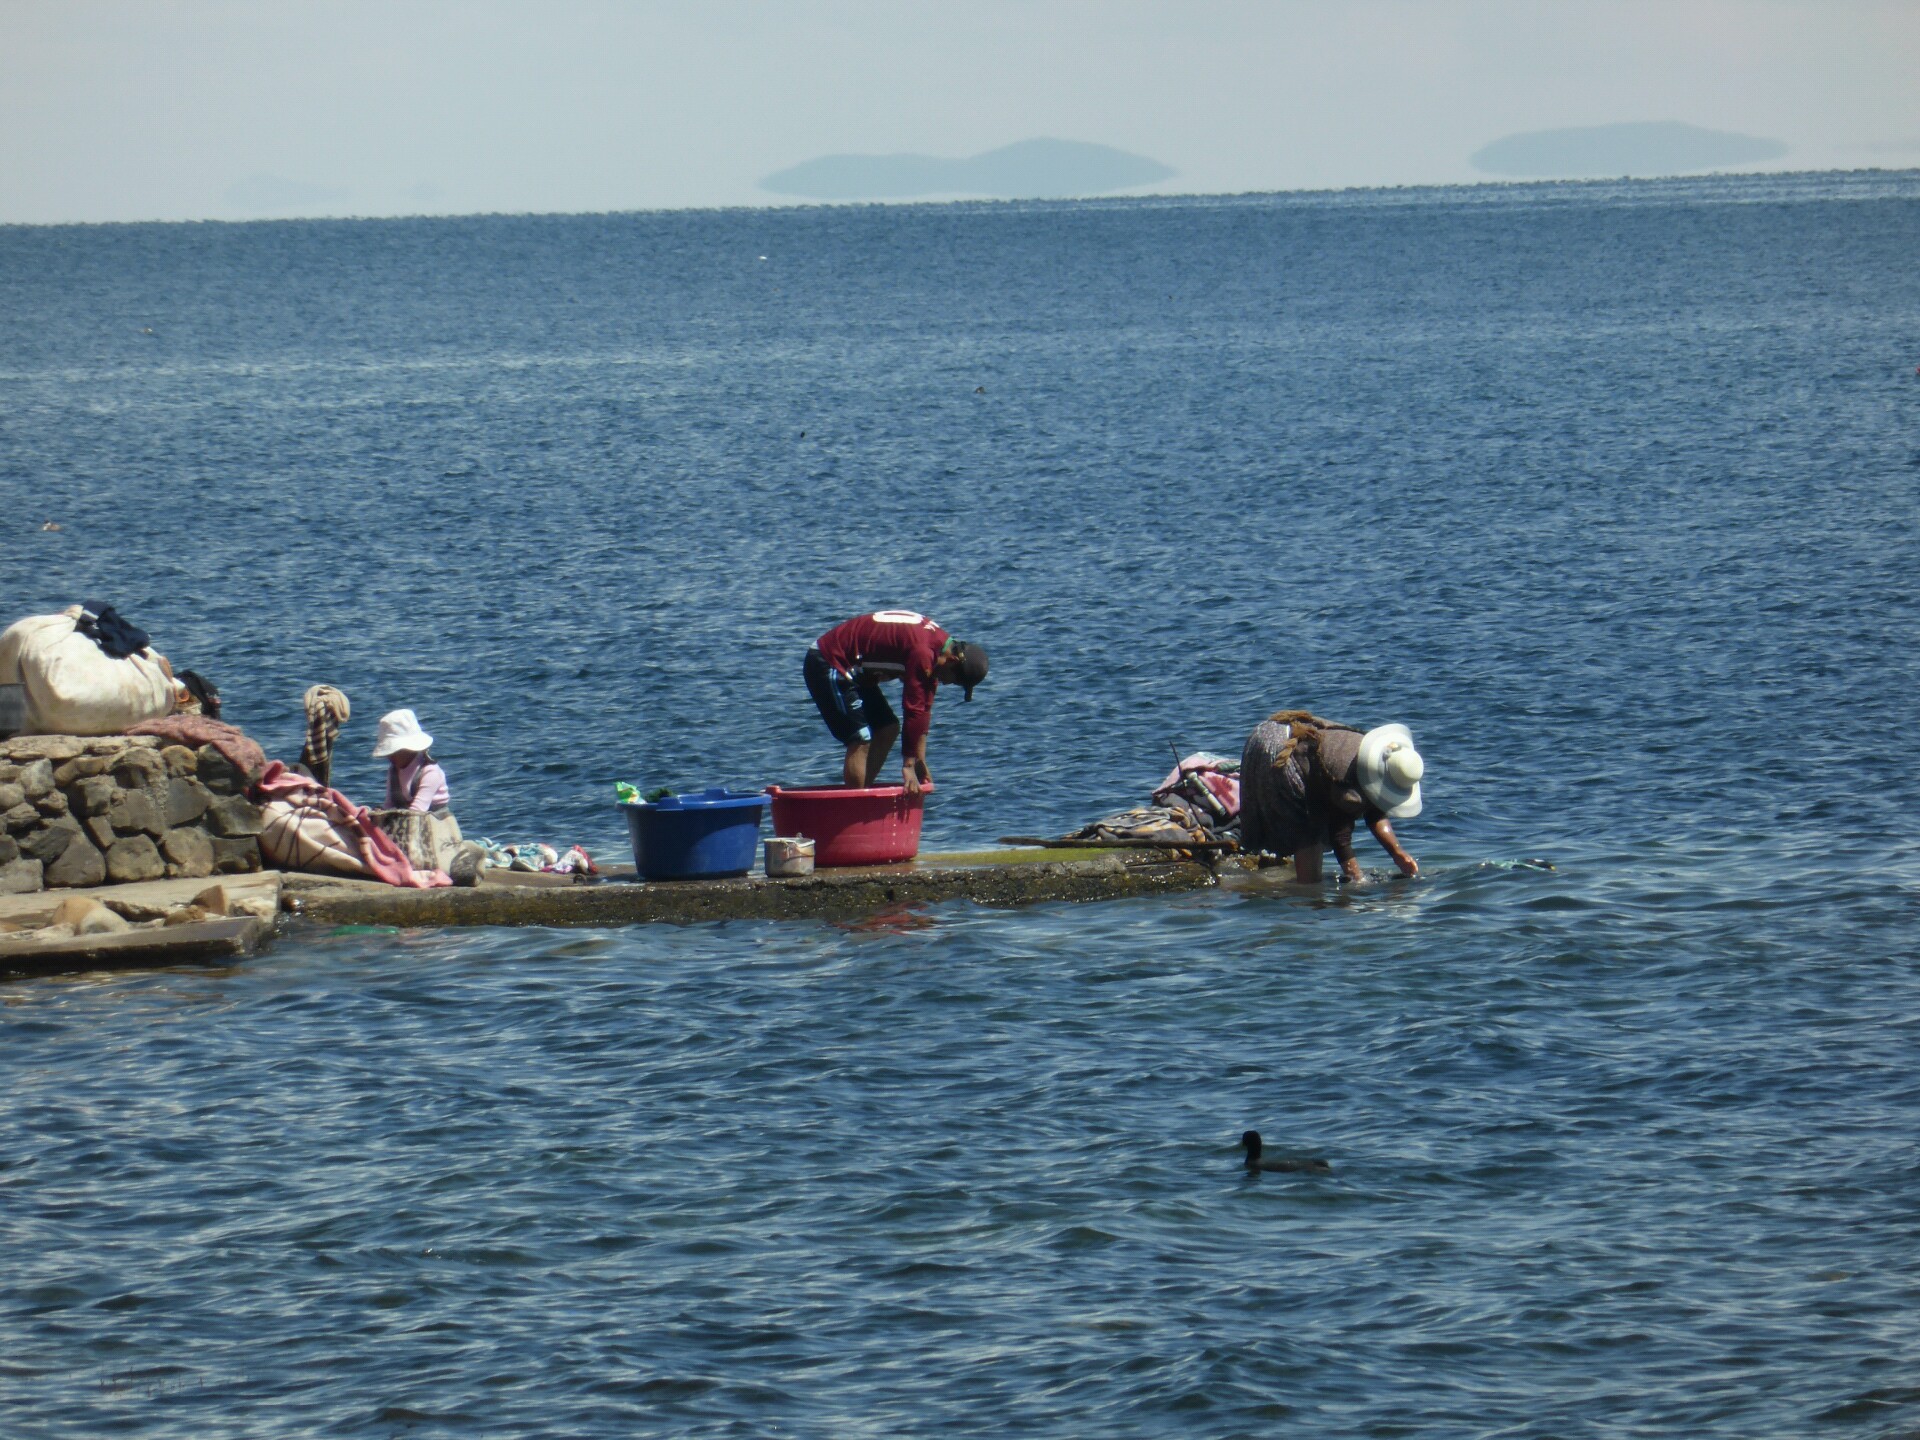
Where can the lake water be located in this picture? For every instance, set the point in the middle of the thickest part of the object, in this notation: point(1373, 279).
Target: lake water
point(1610, 492)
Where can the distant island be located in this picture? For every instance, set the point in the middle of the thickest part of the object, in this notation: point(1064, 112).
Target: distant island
point(1651, 147)
point(1029, 170)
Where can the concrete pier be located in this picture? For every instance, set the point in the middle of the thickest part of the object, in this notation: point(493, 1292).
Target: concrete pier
point(169, 922)
point(992, 878)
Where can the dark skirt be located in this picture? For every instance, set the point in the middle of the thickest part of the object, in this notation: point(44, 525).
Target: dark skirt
point(1275, 813)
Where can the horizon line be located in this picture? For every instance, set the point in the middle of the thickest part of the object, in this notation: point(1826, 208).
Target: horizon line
point(957, 200)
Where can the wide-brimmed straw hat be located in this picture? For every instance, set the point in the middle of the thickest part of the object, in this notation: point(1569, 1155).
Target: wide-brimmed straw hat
point(1388, 771)
point(400, 730)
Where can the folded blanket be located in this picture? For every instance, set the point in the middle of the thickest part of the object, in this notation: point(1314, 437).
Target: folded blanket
point(308, 827)
point(241, 750)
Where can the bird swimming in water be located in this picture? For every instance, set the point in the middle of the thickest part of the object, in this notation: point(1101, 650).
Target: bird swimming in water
point(1285, 1164)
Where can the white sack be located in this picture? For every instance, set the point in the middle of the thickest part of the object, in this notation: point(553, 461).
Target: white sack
point(73, 686)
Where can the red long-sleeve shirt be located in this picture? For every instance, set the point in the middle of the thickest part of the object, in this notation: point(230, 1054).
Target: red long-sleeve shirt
point(891, 645)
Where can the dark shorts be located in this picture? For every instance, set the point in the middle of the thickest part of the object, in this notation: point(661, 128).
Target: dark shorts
point(853, 709)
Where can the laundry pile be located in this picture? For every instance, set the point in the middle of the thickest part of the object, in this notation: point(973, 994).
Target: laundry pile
point(1197, 803)
point(531, 856)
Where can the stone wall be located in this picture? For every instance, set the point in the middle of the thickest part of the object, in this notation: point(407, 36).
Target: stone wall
point(119, 808)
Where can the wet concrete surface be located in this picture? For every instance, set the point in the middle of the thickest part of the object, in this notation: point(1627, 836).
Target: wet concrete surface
point(995, 878)
point(988, 878)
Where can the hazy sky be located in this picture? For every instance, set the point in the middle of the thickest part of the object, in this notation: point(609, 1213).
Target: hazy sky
point(186, 109)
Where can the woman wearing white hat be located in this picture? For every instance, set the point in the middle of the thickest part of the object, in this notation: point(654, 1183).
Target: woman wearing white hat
point(415, 780)
point(1304, 781)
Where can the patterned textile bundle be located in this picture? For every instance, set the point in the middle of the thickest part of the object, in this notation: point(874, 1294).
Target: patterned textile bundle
point(327, 710)
point(1198, 802)
point(1207, 782)
point(306, 826)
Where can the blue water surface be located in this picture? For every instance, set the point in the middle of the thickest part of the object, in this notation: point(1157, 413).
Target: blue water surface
point(1608, 491)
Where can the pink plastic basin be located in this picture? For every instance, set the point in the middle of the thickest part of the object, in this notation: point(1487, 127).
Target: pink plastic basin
point(880, 826)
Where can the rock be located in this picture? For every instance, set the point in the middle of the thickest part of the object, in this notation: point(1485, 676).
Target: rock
point(233, 816)
point(52, 803)
point(10, 796)
point(36, 779)
point(236, 857)
point(217, 773)
point(48, 842)
point(44, 747)
point(139, 911)
point(88, 916)
point(9, 772)
point(9, 849)
point(188, 915)
point(139, 769)
point(114, 744)
point(187, 799)
point(79, 864)
point(213, 900)
point(22, 877)
point(134, 810)
point(189, 853)
point(72, 770)
point(261, 906)
point(467, 864)
point(135, 857)
point(21, 817)
point(180, 760)
point(92, 796)
point(100, 827)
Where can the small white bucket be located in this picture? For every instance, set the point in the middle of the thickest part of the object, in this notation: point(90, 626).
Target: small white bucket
point(789, 855)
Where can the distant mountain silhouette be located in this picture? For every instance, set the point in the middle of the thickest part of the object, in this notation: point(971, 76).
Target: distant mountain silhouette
point(275, 193)
point(1029, 170)
point(1651, 147)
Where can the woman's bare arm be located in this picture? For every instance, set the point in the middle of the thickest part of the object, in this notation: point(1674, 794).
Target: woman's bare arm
point(1382, 829)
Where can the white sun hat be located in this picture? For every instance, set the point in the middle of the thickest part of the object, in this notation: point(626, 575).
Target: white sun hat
point(400, 730)
point(1389, 771)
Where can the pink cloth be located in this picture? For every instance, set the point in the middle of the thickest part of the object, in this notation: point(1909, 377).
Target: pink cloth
point(242, 751)
point(383, 858)
point(1224, 788)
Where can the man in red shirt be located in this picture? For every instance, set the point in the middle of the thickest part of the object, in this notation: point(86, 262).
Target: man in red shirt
point(844, 672)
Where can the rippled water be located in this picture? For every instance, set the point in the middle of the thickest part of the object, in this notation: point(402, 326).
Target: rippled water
point(1608, 491)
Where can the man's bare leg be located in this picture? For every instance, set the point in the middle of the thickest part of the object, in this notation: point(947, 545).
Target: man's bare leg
point(1306, 865)
point(877, 753)
point(854, 773)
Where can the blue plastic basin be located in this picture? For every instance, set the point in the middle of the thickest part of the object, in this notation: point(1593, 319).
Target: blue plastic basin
point(691, 837)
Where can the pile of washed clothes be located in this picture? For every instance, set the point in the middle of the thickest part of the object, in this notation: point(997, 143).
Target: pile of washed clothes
point(533, 856)
point(1197, 803)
